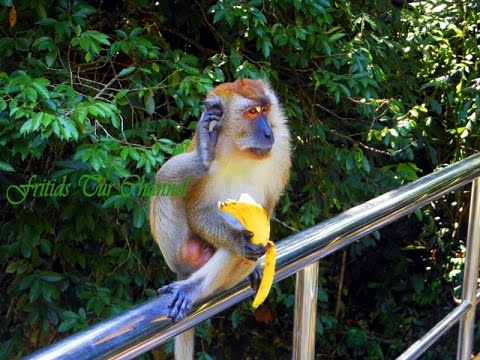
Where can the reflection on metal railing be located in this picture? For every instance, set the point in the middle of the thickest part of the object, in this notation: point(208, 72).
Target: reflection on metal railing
point(140, 329)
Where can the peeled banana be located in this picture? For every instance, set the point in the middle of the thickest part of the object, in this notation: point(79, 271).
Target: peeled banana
point(255, 219)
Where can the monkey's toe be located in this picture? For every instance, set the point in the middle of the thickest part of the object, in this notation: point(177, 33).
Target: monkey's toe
point(255, 278)
point(180, 303)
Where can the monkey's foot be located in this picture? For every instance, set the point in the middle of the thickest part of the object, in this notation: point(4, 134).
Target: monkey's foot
point(181, 300)
point(255, 278)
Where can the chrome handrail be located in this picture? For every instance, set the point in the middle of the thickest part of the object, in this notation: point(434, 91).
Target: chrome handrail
point(141, 329)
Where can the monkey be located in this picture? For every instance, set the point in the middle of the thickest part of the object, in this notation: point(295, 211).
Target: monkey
point(241, 145)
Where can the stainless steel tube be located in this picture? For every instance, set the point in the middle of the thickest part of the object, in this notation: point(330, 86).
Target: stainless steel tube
point(305, 316)
point(422, 345)
point(138, 329)
point(427, 340)
point(470, 275)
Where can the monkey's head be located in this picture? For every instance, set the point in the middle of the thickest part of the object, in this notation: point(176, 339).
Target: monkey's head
point(251, 116)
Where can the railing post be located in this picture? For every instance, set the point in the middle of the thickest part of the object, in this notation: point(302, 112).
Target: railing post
point(470, 275)
point(306, 289)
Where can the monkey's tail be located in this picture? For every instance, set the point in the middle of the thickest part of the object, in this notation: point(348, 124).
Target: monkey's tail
point(184, 345)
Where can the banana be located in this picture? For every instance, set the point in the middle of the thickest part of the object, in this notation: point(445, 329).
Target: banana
point(255, 219)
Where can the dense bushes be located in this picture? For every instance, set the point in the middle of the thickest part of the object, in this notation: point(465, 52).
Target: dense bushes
point(377, 94)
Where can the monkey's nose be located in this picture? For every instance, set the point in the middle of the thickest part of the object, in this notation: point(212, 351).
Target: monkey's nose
point(268, 135)
point(264, 132)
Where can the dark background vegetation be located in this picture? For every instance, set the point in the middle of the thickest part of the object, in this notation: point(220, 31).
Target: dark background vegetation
point(378, 93)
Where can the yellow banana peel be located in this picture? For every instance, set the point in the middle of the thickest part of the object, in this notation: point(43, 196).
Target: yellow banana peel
point(255, 219)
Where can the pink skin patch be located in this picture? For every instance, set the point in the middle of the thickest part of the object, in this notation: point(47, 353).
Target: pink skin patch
point(195, 253)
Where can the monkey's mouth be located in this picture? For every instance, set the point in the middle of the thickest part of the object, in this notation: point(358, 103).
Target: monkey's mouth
point(260, 153)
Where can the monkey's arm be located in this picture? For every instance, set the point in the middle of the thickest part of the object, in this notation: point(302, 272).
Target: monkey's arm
point(222, 230)
point(194, 163)
point(178, 168)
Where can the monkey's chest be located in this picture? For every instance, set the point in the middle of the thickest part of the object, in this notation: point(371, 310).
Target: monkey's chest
point(233, 181)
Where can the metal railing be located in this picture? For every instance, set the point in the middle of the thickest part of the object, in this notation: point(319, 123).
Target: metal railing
point(141, 328)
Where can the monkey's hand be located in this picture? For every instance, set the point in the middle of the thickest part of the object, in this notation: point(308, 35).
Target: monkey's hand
point(254, 217)
point(242, 239)
point(248, 249)
point(182, 297)
point(206, 136)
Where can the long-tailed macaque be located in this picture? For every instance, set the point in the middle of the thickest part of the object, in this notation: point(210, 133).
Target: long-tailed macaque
point(241, 145)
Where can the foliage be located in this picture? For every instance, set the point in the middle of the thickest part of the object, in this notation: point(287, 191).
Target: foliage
point(94, 98)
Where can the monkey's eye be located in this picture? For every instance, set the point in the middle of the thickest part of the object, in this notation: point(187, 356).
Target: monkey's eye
point(253, 112)
point(265, 108)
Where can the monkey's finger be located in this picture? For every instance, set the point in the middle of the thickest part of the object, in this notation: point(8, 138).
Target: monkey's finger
point(248, 235)
point(212, 104)
point(174, 305)
point(167, 289)
point(253, 252)
point(212, 115)
point(214, 135)
point(215, 113)
point(185, 307)
point(183, 304)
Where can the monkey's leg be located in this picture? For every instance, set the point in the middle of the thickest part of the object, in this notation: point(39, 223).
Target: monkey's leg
point(222, 271)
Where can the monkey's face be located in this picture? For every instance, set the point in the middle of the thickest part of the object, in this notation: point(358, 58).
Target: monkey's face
point(251, 111)
point(256, 135)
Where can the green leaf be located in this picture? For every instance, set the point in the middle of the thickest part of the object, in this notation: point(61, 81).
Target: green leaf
point(44, 43)
point(335, 37)
point(18, 267)
point(418, 284)
point(6, 167)
point(36, 121)
point(149, 103)
point(40, 87)
point(113, 201)
point(115, 121)
point(219, 14)
point(69, 128)
point(58, 130)
point(69, 315)
point(266, 46)
point(133, 154)
point(35, 291)
point(98, 36)
point(26, 127)
point(31, 95)
point(126, 71)
point(67, 325)
point(96, 161)
point(50, 276)
point(47, 118)
point(81, 114)
point(121, 171)
point(138, 217)
point(51, 57)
